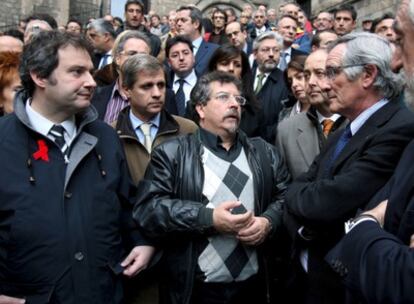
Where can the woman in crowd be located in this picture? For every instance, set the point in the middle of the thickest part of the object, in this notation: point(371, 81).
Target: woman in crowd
point(228, 58)
point(295, 80)
point(9, 80)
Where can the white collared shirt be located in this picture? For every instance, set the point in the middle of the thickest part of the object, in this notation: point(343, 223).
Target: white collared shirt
point(43, 125)
point(196, 45)
point(189, 83)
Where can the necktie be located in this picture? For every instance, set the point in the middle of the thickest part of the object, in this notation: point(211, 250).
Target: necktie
point(327, 126)
point(259, 84)
point(180, 98)
point(340, 145)
point(145, 128)
point(57, 132)
point(283, 63)
point(104, 61)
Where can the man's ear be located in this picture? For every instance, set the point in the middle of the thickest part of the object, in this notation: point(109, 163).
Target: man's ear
point(369, 75)
point(39, 81)
point(200, 111)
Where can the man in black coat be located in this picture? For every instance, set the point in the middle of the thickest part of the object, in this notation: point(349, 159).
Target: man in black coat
point(375, 259)
point(67, 234)
point(355, 163)
point(269, 84)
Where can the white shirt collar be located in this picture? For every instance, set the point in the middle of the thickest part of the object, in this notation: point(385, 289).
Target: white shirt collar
point(191, 78)
point(321, 118)
point(196, 44)
point(43, 125)
point(136, 122)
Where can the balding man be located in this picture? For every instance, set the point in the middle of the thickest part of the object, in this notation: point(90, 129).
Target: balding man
point(10, 44)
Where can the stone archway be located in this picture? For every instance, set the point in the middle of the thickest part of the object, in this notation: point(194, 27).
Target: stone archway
point(206, 5)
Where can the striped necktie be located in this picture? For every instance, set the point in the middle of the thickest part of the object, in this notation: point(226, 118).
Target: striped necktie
point(58, 133)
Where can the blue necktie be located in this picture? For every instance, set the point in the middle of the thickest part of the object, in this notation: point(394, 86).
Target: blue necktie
point(340, 145)
point(283, 63)
point(104, 62)
point(180, 98)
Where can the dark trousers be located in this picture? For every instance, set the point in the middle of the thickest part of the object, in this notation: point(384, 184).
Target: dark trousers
point(247, 292)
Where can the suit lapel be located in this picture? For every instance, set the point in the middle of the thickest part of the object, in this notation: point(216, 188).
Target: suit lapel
point(366, 132)
point(305, 141)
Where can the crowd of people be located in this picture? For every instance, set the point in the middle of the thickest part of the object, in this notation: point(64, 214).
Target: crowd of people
point(253, 157)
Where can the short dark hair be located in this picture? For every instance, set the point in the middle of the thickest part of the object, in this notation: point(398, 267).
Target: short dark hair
point(74, 20)
point(44, 17)
point(346, 8)
point(41, 55)
point(219, 10)
point(378, 20)
point(137, 2)
point(195, 15)
point(201, 92)
point(177, 39)
point(316, 39)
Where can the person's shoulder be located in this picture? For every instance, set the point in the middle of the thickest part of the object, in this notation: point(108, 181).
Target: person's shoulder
point(185, 125)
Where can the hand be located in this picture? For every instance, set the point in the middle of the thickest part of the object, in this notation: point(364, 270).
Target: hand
point(137, 260)
point(10, 300)
point(412, 241)
point(256, 232)
point(226, 222)
point(378, 212)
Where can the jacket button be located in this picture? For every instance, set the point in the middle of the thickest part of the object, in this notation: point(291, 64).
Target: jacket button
point(68, 194)
point(79, 256)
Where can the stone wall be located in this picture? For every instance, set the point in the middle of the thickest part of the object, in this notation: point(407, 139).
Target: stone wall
point(12, 10)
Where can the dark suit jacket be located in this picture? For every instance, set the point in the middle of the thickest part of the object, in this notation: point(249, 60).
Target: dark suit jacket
point(203, 56)
point(101, 99)
point(323, 200)
point(376, 264)
point(270, 98)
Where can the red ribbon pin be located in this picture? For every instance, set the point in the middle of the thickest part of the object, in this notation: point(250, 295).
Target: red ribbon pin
point(42, 153)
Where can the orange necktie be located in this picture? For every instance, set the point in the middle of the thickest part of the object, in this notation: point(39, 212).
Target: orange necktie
point(327, 126)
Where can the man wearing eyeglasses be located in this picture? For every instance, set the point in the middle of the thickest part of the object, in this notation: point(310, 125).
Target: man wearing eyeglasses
point(355, 164)
point(269, 85)
point(218, 35)
point(378, 250)
point(213, 200)
point(109, 100)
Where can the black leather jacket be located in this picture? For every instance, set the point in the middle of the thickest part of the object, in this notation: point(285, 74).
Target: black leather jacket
point(171, 209)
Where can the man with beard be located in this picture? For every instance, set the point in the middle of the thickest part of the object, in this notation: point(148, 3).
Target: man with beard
point(301, 137)
point(269, 84)
point(374, 258)
point(355, 164)
point(213, 200)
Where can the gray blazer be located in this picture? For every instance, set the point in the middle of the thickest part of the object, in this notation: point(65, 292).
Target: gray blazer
point(298, 142)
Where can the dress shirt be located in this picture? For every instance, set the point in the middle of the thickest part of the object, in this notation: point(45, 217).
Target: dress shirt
point(321, 118)
point(256, 78)
point(109, 59)
point(116, 103)
point(189, 83)
point(260, 31)
point(136, 123)
point(288, 56)
point(358, 122)
point(43, 125)
point(196, 45)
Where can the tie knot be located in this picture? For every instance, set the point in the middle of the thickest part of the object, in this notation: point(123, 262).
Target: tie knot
point(261, 76)
point(181, 81)
point(327, 126)
point(145, 128)
point(57, 130)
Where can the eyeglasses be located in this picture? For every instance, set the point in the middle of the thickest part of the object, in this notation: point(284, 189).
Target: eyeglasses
point(268, 49)
point(333, 71)
point(226, 97)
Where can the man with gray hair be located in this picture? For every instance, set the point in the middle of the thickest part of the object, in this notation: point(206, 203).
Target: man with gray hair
point(378, 251)
point(269, 85)
point(102, 35)
point(200, 200)
point(355, 164)
point(111, 99)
